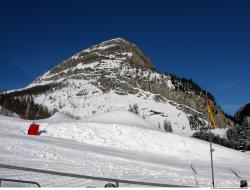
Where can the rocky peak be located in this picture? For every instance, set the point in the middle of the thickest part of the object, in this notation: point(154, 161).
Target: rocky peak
point(118, 51)
point(120, 48)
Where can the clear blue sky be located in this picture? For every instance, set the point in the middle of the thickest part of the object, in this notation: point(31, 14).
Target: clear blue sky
point(207, 41)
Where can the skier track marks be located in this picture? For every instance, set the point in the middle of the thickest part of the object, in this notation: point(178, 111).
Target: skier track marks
point(79, 146)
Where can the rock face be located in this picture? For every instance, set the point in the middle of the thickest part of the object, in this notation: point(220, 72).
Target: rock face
point(116, 75)
point(113, 53)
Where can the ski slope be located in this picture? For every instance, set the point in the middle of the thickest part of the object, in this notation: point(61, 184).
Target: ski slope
point(115, 145)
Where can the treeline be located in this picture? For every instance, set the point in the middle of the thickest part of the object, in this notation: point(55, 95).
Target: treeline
point(36, 90)
point(22, 102)
point(188, 85)
point(229, 116)
point(24, 107)
point(241, 135)
point(204, 135)
point(238, 138)
point(241, 113)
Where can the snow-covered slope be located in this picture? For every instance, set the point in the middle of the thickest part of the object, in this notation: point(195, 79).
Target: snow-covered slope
point(109, 146)
point(91, 104)
point(121, 118)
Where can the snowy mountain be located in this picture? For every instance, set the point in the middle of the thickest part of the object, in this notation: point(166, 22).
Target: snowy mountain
point(116, 75)
point(98, 86)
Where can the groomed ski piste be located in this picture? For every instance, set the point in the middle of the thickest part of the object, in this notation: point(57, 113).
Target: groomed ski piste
point(118, 145)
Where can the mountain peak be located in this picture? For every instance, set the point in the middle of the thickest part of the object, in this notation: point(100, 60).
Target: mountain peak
point(121, 44)
point(116, 52)
point(119, 39)
point(110, 43)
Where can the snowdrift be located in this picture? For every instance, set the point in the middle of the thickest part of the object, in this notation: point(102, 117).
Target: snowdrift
point(121, 118)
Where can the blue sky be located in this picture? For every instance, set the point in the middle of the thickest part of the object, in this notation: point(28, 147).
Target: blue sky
point(207, 41)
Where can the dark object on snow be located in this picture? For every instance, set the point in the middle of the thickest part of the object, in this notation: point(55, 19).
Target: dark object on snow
point(243, 183)
point(33, 129)
point(110, 185)
point(42, 131)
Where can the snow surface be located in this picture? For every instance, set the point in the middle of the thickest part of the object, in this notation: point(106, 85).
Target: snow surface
point(121, 118)
point(108, 145)
point(81, 99)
